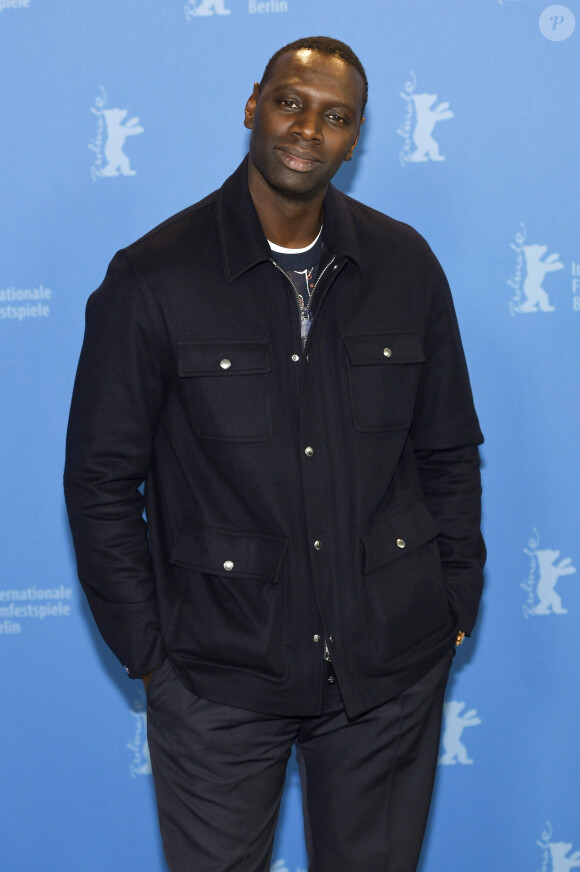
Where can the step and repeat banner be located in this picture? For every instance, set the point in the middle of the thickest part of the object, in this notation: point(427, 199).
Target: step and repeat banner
point(118, 114)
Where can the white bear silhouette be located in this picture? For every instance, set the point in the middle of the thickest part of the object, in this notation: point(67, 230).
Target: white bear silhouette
point(117, 133)
point(143, 768)
point(560, 861)
point(280, 866)
point(536, 271)
point(454, 749)
point(548, 599)
point(425, 120)
point(206, 7)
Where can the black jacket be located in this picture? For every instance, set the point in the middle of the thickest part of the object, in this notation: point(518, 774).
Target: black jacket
point(192, 378)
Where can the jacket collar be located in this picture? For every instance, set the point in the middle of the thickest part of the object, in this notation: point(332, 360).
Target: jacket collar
point(242, 241)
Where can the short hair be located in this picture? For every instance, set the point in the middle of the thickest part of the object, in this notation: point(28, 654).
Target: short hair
point(324, 45)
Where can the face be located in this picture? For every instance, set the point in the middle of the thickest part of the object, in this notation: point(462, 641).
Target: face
point(304, 121)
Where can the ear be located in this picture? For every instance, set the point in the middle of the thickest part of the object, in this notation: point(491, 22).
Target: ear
point(250, 109)
point(353, 146)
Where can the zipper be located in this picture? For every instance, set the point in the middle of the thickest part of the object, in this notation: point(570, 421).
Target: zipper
point(329, 264)
point(330, 676)
point(304, 311)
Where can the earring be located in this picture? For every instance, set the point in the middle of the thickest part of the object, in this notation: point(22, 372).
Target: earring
point(348, 157)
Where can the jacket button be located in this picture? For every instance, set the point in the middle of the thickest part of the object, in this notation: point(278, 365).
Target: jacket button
point(317, 545)
point(387, 352)
point(401, 543)
point(309, 451)
point(316, 638)
point(225, 363)
point(295, 358)
point(228, 565)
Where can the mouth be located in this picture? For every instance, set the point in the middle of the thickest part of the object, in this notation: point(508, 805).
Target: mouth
point(296, 162)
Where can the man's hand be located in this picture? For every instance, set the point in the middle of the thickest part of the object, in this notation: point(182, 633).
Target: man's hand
point(147, 678)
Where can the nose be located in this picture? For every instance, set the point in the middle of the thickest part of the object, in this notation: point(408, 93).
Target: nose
point(308, 125)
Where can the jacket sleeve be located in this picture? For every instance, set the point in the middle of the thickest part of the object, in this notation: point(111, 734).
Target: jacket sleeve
point(116, 404)
point(445, 435)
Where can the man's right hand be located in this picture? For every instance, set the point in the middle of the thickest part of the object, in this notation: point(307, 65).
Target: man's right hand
point(147, 678)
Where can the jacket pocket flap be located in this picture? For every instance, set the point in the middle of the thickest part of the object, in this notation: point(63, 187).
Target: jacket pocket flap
point(399, 533)
point(238, 555)
point(222, 357)
point(387, 348)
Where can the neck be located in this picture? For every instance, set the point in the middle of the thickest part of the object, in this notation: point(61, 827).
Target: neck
point(287, 221)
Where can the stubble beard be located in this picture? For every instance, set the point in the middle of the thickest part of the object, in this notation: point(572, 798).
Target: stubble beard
point(280, 181)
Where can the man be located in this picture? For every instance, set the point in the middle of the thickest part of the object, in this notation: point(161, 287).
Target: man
point(281, 366)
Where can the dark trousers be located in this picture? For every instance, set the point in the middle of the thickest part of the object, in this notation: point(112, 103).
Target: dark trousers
point(367, 783)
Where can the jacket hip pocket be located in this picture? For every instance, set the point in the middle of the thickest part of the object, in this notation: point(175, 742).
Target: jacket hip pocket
point(404, 581)
point(227, 383)
point(383, 370)
point(231, 610)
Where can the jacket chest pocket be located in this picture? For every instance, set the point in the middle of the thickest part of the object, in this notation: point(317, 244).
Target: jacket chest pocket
point(383, 370)
point(227, 383)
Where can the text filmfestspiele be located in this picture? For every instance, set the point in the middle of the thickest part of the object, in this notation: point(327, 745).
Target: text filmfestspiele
point(32, 602)
point(31, 302)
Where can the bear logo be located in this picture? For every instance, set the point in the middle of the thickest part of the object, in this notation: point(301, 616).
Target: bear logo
point(536, 267)
point(549, 602)
point(425, 120)
point(193, 9)
point(454, 749)
point(117, 133)
point(141, 763)
point(280, 866)
point(562, 860)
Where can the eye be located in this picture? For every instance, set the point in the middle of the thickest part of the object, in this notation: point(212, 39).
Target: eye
point(337, 119)
point(288, 104)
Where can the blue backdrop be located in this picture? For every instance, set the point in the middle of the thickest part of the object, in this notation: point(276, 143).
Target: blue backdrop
point(116, 115)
